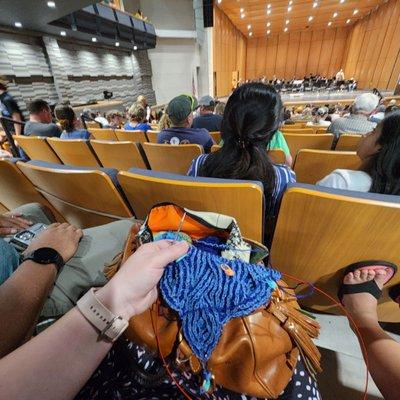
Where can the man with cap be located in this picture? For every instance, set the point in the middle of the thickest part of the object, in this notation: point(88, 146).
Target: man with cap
point(9, 108)
point(180, 113)
point(207, 119)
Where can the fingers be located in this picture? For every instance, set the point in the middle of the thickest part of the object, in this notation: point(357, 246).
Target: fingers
point(170, 252)
point(8, 231)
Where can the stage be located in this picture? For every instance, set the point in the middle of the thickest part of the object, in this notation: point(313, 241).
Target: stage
point(326, 97)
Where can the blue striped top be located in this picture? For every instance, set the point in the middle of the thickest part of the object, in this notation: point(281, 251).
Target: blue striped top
point(283, 176)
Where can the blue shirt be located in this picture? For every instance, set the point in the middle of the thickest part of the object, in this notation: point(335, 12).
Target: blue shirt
point(211, 122)
point(77, 134)
point(283, 176)
point(186, 136)
point(138, 127)
point(9, 260)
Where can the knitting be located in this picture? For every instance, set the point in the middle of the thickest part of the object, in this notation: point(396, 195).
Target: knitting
point(206, 297)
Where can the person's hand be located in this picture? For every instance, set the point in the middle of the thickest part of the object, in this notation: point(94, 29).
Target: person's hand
point(63, 238)
point(134, 288)
point(11, 223)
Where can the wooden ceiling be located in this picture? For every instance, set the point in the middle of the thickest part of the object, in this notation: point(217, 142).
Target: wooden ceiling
point(256, 17)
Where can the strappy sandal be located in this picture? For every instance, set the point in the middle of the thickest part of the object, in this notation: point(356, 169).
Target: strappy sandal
point(369, 286)
point(394, 293)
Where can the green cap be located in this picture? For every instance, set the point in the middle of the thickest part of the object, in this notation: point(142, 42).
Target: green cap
point(180, 107)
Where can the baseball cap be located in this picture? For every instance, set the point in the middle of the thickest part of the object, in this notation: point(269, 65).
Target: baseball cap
point(322, 111)
point(207, 101)
point(180, 107)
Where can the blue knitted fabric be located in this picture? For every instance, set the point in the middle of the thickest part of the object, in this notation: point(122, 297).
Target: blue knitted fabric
point(206, 298)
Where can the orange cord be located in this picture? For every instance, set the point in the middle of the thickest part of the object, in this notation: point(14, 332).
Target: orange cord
point(336, 303)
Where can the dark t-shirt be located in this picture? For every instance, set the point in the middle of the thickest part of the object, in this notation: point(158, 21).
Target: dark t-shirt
point(39, 129)
point(186, 136)
point(8, 106)
point(211, 122)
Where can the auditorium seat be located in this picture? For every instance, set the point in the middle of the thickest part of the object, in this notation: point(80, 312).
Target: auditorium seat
point(298, 131)
point(37, 148)
point(311, 166)
point(85, 197)
point(171, 158)
point(320, 231)
point(103, 134)
point(216, 136)
point(215, 147)
point(277, 156)
point(297, 142)
point(132, 136)
point(152, 136)
point(200, 194)
point(92, 124)
point(119, 155)
point(348, 142)
point(16, 189)
point(74, 152)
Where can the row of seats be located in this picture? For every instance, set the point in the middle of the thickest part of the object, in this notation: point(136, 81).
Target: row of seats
point(315, 237)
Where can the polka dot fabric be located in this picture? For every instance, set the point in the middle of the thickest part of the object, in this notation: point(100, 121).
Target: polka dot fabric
point(130, 373)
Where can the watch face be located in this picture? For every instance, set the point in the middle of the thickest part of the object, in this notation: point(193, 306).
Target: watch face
point(46, 255)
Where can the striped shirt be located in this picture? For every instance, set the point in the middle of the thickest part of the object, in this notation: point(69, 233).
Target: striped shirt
point(283, 176)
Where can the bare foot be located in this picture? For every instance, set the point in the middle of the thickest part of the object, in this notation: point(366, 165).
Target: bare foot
point(362, 306)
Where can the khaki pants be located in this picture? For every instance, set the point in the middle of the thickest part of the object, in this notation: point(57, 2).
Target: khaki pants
point(96, 249)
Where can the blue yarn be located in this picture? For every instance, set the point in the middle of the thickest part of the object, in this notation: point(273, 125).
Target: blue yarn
point(206, 298)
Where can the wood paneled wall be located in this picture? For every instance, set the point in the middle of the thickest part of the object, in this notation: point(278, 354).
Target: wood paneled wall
point(229, 53)
point(297, 54)
point(373, 49)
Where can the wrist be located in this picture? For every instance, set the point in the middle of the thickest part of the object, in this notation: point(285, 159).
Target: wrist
point(48, 268)
point(116, 301)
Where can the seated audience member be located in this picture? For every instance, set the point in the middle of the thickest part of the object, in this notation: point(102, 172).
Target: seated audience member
point(320, 118)
point(102, 120)
point(180, 115)
point(220, 108)
point(360, 292)
point(9, 108)
point(287, 117)
point(137, 119)
point(357, 122)
point(391, 108)
point(378, 115)
point(164, 122)
point(278, 141)
point(207, 119)
point(40, 120)
point(115, 119)
point(380, 155)
point(69, 123)
point(143, 102)
point(251, 119)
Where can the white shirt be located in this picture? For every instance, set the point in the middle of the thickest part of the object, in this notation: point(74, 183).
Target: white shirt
point(347, 179)
point(103, 121)
point(322, 122)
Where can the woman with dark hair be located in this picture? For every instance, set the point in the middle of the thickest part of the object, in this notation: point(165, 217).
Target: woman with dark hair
point(380, 168)
point(66, 118)
point(252, 116)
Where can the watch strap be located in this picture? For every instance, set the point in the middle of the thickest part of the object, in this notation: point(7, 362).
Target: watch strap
point(32, 256)
point(110, 326)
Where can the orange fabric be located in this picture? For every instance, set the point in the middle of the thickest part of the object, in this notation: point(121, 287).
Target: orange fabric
point(169, 217)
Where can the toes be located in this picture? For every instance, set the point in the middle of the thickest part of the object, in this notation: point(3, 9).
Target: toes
point(349, 278)
point(357, 274)
point(364, 275)
point(370, 274)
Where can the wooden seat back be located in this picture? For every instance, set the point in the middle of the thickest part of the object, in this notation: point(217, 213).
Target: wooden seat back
point(311, 166)
point(277, 156)
point(103, 134)
point(152, 136)
point(348, 142)
point(131, 136)
point(297, 142)
point(216, 135)
point(298, 131)
point(37, 148)
point(74, 152)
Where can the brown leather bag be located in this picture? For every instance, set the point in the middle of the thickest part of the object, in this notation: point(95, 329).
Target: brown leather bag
point(256, 354)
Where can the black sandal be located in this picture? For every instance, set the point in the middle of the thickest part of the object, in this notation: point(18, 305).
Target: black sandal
point(370, 286)
point(394, 293)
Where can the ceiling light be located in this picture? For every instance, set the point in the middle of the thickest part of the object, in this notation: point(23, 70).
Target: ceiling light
point(268, 12)
point(18, 24)
point(348, 21)
point(116, 44)
point(329, 23)
point(242, 15)
point(315, 4)
point(219, 1)
point(269, 6)
point(63, 33)
point(285, 30)
point(290, 2)
point(51, 4)
point(310, 18)
point(342, 1)
point(268, 24)
point(250, 33)
point(241, 10)
point(268, 31)
point(94, 39)
point(287, 22)
point(335, 14)
point(249, 26)
point(135, 47)
point(355, 12)
point(289, 8)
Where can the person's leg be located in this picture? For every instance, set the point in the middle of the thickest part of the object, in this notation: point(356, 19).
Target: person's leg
point(383, 352)
point(35, 212)
point(97, 248)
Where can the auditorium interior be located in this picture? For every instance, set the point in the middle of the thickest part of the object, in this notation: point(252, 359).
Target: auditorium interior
point(234, 164)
